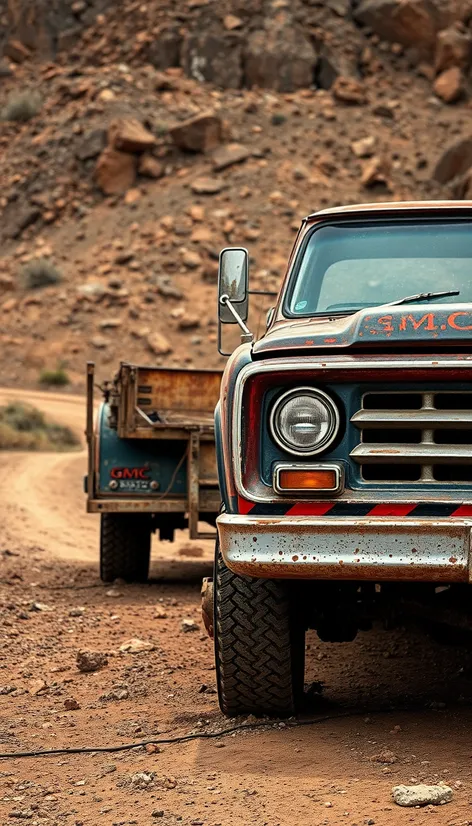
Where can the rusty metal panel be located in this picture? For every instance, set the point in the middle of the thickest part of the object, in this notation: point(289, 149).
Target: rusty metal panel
point(358, 549)
point(209, 502)
point(178, 396)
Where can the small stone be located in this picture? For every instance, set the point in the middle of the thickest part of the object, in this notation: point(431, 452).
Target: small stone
point(376, 171)
point(207, 186)
point(230, 154)
point(99, 342)
point(158, 344)
point(37, 687)
point(350, 91)
point(191, 260)
point(118, 693)
point(421, 795)
point(142, 780)
point(158, 813)
point(77, 612)
point(132, 196)
point(110, 323)
point(449, 85)
point(88, 661)
point(231, 22)
point(189, 322)
point(71, 705)
point(129, 135)
point(160, 613)
point(7, 689)
point(189, 625)
point(151, 748)
point(385, 756)
point(150, 167)
point(364, 147)
point(196, 212)
point(136, 646)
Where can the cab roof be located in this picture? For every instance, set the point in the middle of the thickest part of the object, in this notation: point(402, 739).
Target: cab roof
point(387, 207)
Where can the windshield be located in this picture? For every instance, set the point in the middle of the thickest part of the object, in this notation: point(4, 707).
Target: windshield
point(348, 266)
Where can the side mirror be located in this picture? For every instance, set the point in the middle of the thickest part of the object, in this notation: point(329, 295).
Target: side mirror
point(233, 278)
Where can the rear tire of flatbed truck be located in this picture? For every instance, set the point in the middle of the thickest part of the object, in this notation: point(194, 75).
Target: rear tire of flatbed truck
point(125, 547)
point(259, 645)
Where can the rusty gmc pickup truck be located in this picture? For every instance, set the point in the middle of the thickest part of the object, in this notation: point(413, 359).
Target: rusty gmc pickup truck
point(344, 442)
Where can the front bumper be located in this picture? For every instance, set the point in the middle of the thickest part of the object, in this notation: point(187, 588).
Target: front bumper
point(305, 547)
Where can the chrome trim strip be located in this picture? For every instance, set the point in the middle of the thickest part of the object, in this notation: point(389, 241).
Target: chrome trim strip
point(338, 470)
point(309, 363)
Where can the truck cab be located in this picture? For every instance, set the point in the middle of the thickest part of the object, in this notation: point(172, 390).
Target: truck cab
point(345, 442)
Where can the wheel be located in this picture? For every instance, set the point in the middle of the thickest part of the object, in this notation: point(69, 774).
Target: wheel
point(259, 645)
point(125, 547)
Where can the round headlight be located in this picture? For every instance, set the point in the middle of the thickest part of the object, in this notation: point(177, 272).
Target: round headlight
point(304, 421)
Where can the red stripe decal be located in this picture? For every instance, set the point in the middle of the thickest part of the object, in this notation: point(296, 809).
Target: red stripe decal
point(244, 506)
point(391, 510)
point(315, 509)
point(463, 510)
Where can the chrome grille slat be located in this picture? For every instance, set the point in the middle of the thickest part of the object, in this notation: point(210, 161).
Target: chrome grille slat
point(430, 437)
point(424, 418)
point(425, 454)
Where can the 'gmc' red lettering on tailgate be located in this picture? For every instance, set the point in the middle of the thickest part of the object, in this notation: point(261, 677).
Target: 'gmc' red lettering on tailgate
point(129, 473)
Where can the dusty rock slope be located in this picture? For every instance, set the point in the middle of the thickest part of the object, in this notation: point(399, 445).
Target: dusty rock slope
point(137, 139)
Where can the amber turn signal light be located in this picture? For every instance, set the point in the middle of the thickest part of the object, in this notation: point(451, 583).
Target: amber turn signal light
point(308, 480)
point(321, 478)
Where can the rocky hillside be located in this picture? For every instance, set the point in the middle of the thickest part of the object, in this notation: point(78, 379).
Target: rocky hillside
point(138, 138)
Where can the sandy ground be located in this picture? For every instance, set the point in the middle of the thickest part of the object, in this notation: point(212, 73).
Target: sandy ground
point(398, 705)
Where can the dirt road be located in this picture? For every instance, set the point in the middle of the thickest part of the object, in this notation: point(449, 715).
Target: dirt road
point(52, 604)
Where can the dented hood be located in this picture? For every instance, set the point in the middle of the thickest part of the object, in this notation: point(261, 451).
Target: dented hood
point(377, 327)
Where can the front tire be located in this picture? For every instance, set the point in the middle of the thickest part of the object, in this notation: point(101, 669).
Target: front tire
point(259, 645)
point(125, 547)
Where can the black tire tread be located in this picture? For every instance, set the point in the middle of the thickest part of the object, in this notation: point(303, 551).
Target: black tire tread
point(125, 547)
point(259, 653)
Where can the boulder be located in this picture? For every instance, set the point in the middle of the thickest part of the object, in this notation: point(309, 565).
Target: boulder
point(115, 171)
point(453, 48)
point(412, 23)
point(214, 58)
point(198, 134)
point(449, 85)
point(279, 57)
point(129, 135)
point(456, 160)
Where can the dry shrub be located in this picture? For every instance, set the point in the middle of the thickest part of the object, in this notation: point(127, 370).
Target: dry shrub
point(21, 106)
point(24, 427)
point(39, 272)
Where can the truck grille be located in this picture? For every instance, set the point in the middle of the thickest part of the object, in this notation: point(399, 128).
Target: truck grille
point(415, 437)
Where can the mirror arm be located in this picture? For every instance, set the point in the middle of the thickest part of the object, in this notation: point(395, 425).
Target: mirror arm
point(247, 336)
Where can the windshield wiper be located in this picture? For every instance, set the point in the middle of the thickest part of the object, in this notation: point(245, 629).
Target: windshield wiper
point(410, 299)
